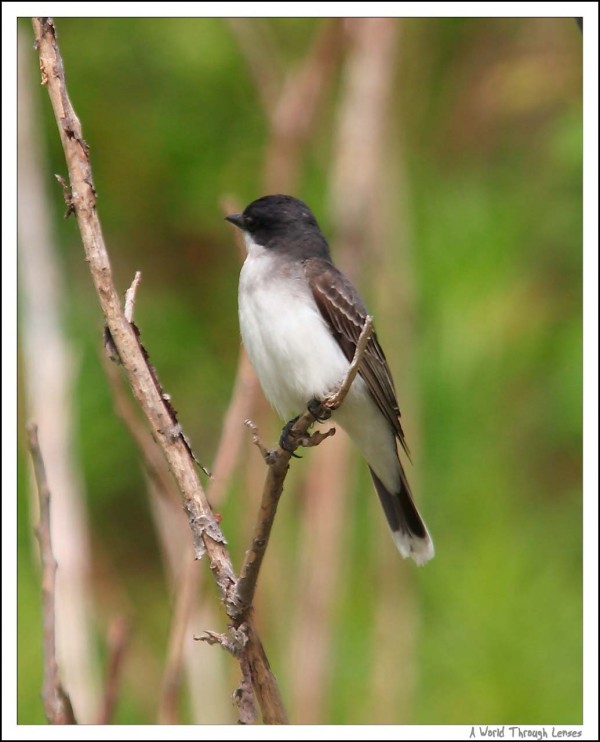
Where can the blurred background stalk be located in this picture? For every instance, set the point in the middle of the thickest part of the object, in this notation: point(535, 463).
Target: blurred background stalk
point(50, 369)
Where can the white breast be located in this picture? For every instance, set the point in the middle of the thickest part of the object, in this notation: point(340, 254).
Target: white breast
point(297, 359)
point(292, 351)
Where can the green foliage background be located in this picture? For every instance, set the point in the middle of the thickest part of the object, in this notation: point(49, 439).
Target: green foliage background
point(487, 127)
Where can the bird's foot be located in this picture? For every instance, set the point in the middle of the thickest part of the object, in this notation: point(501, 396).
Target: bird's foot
point(287, 441)
point(318, 410)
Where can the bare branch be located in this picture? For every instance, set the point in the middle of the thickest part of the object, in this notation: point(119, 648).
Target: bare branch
point(117, 641)
point(256, 441)
point(278, 462)
point(57, 705)
point(203, 524)
point(84, 199)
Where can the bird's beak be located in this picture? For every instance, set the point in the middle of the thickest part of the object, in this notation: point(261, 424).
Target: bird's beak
point(237, 219)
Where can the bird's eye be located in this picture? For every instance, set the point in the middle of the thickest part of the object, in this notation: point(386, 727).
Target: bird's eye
point(250, 221)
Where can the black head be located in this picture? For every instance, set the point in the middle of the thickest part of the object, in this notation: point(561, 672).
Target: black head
point(282, 223)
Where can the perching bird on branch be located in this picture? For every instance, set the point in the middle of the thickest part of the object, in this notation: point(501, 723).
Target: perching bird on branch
point(300, 320)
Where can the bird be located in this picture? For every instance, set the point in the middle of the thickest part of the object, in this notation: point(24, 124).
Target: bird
point(300, 319)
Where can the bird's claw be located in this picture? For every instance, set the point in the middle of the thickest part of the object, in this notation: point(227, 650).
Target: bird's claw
point(286, 440)
point(318, 410)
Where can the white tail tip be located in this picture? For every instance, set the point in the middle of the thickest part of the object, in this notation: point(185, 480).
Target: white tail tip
point(420, 550)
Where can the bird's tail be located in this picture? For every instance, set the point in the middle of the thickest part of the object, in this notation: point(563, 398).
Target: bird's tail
point(408, 529)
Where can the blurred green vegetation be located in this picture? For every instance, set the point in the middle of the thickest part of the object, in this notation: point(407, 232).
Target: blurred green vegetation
point(487, 121)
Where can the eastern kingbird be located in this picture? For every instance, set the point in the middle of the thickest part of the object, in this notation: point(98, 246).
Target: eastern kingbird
point(300, 320)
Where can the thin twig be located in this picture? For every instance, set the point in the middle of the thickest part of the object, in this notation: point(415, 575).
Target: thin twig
point(256, 441)
point(175, 430)
point(57, 704)
point(205, 529)
point(130, 296)
point(117, 641)
point(278, 462)
point(335, 399)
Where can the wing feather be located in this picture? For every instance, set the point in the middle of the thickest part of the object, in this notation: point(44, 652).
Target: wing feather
point(341, 307)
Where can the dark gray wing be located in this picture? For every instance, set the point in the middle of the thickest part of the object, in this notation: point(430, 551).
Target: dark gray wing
point(342, 308)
